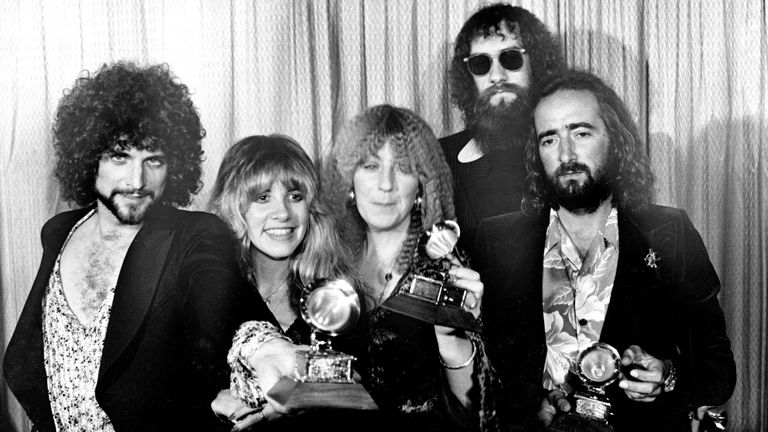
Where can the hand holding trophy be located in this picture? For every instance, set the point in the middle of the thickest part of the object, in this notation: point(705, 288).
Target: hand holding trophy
point(323, 377)
point(598, 367)
point(432, 296)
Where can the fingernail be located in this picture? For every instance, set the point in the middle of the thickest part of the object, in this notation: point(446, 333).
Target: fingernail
point(623, 384)
point(633, 372)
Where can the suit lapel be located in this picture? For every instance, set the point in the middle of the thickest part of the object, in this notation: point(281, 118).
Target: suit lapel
point(637, 281)
point(24, 359)
point(136, 285)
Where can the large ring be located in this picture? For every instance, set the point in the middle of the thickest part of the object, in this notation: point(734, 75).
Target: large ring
point(474, 304)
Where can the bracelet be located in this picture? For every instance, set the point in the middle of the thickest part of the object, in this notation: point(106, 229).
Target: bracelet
point(244, 380)
point(461, 365)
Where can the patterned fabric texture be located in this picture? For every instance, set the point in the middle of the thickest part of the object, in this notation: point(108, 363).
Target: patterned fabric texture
point(72, 352)
point(576, 294)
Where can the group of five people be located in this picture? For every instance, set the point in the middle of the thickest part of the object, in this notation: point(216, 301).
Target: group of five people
point(130, 321)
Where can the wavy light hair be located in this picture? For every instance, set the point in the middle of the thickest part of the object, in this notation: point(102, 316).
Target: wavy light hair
point(248, 169)
point(416, 150)
point(543, 49)
point(126, 105)
point(627, 166)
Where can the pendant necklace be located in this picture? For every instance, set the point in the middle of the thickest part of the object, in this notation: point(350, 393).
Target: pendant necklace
point(268, 299)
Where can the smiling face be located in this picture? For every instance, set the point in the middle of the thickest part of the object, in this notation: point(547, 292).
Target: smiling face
point(129, 181)
point(573, 146)
point(277, 221)
point(383, 192)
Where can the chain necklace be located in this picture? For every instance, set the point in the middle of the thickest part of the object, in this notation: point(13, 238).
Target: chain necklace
point(268, 299)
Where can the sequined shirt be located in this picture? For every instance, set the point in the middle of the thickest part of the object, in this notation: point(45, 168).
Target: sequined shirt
point(576, 292)
point(72, 355)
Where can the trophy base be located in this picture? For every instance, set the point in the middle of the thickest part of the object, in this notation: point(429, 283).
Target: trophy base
point(430, 312)
point(295, 394)
point(317, 365)
point(569, 422)
point(589, 413)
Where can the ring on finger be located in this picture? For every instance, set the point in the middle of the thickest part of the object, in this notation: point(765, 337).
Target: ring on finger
point(261, 415)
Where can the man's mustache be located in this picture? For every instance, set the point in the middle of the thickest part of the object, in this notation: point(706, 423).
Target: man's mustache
point(571, 168)
point(140, 192)
point(502, 88)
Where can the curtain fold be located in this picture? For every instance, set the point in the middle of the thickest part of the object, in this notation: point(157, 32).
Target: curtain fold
point(694, 73)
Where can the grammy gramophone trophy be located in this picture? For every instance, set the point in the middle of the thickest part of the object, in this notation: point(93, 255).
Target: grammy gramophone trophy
point(598, 366)
point(323, 377)
point(431, 296)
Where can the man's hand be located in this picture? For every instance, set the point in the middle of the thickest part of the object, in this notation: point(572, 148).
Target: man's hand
point(648, 376)
point(554, 403)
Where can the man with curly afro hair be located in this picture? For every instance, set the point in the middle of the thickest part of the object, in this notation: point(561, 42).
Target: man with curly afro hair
point(130, 318)
point(500, 54)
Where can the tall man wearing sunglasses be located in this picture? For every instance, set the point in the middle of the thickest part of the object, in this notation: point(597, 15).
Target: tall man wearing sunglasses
point(501, 52)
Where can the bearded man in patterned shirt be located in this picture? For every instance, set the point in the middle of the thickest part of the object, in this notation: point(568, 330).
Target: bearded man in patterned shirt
point(592, 260)
point(130, 318)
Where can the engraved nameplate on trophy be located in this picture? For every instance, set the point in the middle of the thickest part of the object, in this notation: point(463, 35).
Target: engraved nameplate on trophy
point(323, 376)
point(431, 296)
point(598, 366)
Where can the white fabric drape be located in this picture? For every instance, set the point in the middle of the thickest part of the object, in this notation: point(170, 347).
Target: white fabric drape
point(693, 73)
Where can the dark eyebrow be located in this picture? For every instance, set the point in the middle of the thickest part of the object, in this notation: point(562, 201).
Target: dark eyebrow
point(572, 126)
point(569, 126)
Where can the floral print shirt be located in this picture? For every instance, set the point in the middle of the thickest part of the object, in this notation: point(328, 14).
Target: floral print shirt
point(576, 294)
point(72, 355)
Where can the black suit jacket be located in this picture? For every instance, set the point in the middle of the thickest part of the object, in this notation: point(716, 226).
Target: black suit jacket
point(178, 301)
point(671, 311)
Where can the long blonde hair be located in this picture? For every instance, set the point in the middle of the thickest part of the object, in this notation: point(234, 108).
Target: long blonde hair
point(416, 151)
point(250, 167)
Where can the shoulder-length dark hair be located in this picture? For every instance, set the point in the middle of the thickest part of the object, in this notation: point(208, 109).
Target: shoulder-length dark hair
point(628, 167)
point(416, 150)
point(543, 49)
point(124, 105)
point(248, 169)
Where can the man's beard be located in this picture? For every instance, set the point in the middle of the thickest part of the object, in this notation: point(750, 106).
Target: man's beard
point(504, 126)
point(580, 198)
point(129, 214)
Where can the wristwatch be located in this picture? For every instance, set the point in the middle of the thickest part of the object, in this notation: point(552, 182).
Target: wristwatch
point(671, 379)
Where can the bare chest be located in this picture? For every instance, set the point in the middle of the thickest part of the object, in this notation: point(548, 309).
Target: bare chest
point(89, 270)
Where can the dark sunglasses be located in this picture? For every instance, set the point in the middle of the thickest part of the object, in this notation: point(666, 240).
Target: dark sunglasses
point(511, 59)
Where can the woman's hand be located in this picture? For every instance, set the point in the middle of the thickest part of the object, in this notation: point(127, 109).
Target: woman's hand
point(469, 280)
point(270, 362)
point(230, 409)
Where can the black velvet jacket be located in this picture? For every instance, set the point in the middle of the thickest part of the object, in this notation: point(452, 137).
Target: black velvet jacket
point(178, 301)
point(671, 311)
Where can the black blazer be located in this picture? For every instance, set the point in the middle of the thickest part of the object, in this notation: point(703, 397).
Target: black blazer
point(671, 311)
point(178, 301)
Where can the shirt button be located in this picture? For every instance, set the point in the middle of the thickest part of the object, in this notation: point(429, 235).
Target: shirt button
point(582, 322)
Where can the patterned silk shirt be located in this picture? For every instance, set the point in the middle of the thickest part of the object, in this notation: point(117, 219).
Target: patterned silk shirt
point(72, 353)
point(576, 294)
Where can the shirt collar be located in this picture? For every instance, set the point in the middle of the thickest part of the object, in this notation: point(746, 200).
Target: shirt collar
point(610, 231)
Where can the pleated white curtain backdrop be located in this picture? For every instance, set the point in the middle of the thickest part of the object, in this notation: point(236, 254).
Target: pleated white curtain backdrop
point(693, 73)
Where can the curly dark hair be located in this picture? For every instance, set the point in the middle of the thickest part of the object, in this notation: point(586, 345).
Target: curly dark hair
point(544, 50)
point(124, 105)
point(628, 166)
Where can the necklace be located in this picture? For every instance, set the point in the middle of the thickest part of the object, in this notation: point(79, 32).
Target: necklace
point(268, 298)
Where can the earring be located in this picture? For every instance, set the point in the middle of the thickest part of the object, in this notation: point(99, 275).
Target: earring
point(417, 202)
point(351, 196)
